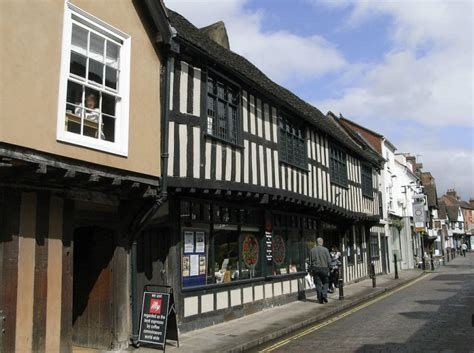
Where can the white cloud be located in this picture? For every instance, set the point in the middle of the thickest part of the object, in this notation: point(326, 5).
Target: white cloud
point(282, 55)
point(452, 167)
point(427, 76)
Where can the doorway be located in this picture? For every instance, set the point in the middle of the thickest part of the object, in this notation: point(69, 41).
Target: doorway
point(92, 318)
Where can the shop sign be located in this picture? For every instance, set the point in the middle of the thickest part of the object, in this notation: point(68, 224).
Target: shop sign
point(268, 246)
point(158, 319)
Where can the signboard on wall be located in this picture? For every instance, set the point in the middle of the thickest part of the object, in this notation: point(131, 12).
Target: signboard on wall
point(268, 246)
point(193, 264)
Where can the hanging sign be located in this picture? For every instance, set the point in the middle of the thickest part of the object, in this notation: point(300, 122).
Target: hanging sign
point(419, 213)
point(158, 319)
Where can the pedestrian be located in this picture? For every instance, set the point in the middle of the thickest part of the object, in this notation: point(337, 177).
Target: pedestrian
point(464, 249)
point(334, 268)
point(319, 260)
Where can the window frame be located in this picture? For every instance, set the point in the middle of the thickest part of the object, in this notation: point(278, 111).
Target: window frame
point(75, 15)
point(374, 246)
point(283, 135)
point(338, 177)
point(367, 180)
point(228, 82)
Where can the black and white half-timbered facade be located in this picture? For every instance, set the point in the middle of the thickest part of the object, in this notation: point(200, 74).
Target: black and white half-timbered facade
point(254, 175)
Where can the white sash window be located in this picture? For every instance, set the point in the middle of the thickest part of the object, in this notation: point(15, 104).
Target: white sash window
point(94, 86)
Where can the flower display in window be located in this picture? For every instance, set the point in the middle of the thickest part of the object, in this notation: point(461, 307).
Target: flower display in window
point(250, 251)
point(278, 249)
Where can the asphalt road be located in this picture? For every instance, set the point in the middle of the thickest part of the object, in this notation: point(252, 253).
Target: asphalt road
point(434, 314)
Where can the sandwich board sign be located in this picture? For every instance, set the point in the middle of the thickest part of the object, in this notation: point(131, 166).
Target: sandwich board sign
point(158, 319)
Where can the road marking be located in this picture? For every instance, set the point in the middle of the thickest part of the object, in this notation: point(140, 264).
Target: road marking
point(340, 316)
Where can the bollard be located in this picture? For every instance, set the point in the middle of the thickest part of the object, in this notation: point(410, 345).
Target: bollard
point(372, 269)
point(341, 289)
point(396, 265)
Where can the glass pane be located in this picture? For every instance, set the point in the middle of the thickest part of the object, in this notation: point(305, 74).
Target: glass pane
point(108, 104)
point(74, 97)
point(96, 47)
point(79, 39)
point(92, 113)
point(96, 71)
point(220, 90)
point(108, 128)
point(78, 64)
point(110, 77)
point(226, 256)
point(112, 56)
point(73, 108)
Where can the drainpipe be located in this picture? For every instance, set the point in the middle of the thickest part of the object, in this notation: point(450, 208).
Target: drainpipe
point(160, 200)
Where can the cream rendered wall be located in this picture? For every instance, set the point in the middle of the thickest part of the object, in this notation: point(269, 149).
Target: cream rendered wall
point(30, 35)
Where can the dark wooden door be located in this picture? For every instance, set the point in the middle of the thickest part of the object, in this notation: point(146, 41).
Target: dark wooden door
point(92, 288)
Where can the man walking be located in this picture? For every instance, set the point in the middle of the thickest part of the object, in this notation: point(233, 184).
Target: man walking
point(319, 260)
point(464, 249)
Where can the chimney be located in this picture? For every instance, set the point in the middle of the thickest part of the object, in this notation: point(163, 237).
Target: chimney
point(218, 33)
point(452, 193)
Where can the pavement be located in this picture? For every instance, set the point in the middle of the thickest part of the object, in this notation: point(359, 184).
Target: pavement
point(256, 329)
point(434, 313)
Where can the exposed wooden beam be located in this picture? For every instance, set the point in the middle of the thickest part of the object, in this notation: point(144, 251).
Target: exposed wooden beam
point(117, 181)
point(94, 178)
point(70, 173)
point(42, 168)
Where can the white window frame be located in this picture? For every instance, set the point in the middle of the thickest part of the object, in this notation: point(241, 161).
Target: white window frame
point(120, 144)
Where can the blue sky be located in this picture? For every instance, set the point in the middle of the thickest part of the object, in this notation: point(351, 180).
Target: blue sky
point(402, 68)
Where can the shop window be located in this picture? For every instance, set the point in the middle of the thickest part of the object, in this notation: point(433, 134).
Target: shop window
point(374, 245)
point(358, 245)
point(350, 248)
point(219, 249)
point(287, 251)
point(95, 97)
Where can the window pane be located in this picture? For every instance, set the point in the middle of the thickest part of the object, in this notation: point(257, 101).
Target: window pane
point(112, 56)
point(74, 98)
point(226, 253)
point(92, 113)
point(73, 108)
point(108, 104)
point(78, 64)
point(96, 47)
point(108, 128)
point(79, 39)
point(96, 71)
point(111, 77)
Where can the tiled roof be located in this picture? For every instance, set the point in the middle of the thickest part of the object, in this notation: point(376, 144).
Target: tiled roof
point(238, 65)
point(442, 210)
point(430, 191)
point(453, 212)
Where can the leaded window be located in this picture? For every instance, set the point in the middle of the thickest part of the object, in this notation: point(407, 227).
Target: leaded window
point(223, 118)
point(292, 143)
point(338, 166)
point(367, 185)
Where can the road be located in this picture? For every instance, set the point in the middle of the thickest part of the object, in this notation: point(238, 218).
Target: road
point(433, 314)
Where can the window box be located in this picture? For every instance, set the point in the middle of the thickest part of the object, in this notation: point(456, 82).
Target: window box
point(94, 83)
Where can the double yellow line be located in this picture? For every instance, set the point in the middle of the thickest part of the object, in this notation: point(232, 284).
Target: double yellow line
point(339, 316)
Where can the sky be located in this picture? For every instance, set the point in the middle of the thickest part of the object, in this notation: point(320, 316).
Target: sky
point(401, 68)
